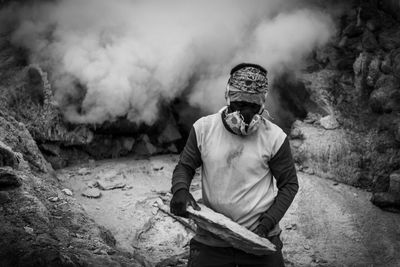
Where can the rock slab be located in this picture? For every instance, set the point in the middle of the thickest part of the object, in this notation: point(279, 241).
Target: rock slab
point(67, 192)
point(235, 234)
point(110, 185)
point(329, 122)
point(91, 193)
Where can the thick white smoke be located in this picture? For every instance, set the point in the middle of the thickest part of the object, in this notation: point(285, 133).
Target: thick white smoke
point(127, 55)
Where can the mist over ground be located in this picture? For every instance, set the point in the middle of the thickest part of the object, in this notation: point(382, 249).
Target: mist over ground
point(121, 58)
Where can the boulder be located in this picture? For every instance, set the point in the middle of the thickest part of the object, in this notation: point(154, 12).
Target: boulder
point(369, 42)
point(386, 96)
point(91, 193)
point(144, 147)
point(373, 24)
point(235, 234)
point(9, 178)
point(329, 122)
point(394, 186)
point(67, 192)
point(84, 171)
point(169, 134)
point(387, 201)
point(389, 39)
point(310, 119)
point(126, 145)
point(384, 100)
point(172, 149)
point(387, 81)
point(296, 133)
point(109, 175)
point(326, 54)
point(386, 65)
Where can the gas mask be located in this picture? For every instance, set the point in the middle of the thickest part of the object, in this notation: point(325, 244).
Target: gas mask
point(236, 123)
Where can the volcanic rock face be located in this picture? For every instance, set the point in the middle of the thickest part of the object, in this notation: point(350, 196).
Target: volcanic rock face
point(359, 146)
point(63, 144)
point(40, 225)
point(386, 96)
point(18, 138)
point(33, 104)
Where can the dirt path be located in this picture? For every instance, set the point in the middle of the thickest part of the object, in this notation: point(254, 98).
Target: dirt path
point(336, 225)
point(327, 225)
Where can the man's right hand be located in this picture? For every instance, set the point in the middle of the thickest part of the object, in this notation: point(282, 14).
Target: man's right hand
point(180, 201)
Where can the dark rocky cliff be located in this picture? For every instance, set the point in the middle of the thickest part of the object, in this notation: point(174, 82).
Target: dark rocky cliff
point(354, 137)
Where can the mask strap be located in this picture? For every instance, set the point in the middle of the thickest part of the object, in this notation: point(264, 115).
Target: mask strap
point(228, 100)
point(261, 111)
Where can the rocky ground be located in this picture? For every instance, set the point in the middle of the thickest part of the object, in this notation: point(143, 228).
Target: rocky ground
point(343, 119)
point(329, 224)
point(128, 207)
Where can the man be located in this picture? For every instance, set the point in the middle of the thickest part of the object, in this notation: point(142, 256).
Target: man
point(239, 152)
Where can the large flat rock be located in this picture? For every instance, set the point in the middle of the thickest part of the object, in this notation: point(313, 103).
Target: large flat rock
point(235, 234)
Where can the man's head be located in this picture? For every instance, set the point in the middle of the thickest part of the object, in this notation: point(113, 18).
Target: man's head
point(246, 90)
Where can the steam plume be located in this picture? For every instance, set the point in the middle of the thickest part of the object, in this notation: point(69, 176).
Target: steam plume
point(125, 56)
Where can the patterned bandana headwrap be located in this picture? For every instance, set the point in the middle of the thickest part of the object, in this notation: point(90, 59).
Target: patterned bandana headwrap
point(248, 84)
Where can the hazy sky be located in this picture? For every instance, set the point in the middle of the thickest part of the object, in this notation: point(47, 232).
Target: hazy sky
point(130, 54)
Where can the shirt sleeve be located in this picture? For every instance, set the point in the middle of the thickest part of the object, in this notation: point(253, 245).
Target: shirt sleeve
point(189, 161)
point(283, 169)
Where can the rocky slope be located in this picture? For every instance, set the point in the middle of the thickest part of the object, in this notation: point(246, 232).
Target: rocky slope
point(40, 224)
point(353, 135)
